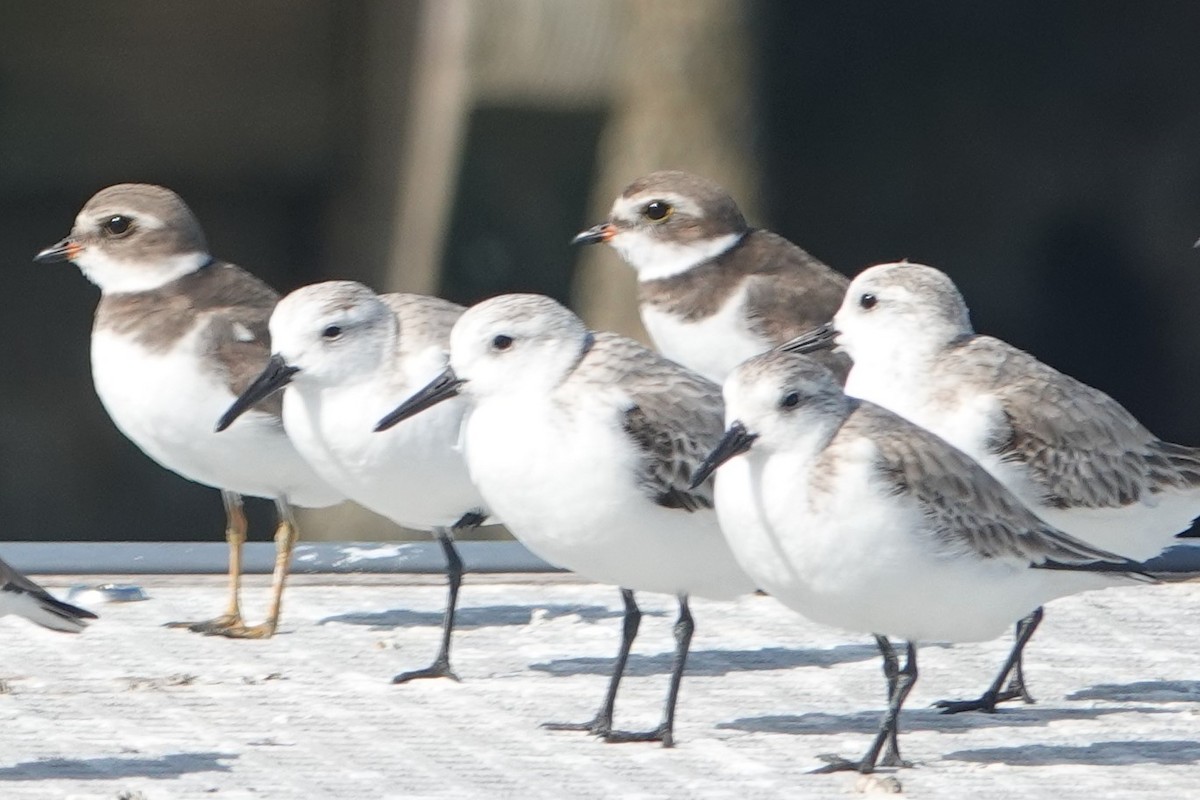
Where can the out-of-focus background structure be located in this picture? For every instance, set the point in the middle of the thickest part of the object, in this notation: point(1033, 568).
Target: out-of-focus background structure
point(1046, 155)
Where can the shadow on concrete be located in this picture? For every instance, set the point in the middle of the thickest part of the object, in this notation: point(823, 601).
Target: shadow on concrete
point(714, 662)
point(165, 767)
point(1095, 754)
point(921, 719)
point(478, 617)
point(1142, 692)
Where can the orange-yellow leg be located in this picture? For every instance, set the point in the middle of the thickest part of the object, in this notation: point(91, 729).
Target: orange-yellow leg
point(235, 534)
point(286, 535)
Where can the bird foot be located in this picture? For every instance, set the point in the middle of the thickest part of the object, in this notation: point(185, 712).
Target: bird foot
point(660, 734)
point(264, 631)
point(210, 626)
point(596, 727)
point(438, 669)
point(836, 763)
point(986, 702)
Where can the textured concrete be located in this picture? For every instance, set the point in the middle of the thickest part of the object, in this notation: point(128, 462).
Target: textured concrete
point(132, 710)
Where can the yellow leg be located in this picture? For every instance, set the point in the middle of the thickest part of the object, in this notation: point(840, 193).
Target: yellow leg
point(285, 542)
point(235, 535)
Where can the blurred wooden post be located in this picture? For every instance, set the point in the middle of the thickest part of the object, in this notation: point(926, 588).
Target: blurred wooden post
point(673, 73)
point(439, 104)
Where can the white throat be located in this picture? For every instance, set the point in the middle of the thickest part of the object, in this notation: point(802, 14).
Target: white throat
point(655, 259)
point(115, 276)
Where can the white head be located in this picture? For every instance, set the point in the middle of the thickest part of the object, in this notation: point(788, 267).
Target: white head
point(133, 237)
point(333, 333)
point(900, 309)
point(516, 343)
point(667, 222)
point(781, 397)
point(777, 402)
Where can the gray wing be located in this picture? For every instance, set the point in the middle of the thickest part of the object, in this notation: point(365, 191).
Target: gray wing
point(425, 321)
point(673, 416)
point(237, 307)
point(790, 293)
point(1081, 446)
point(969, 512)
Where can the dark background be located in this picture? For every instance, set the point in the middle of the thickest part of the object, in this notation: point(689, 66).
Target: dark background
point(1046, 155)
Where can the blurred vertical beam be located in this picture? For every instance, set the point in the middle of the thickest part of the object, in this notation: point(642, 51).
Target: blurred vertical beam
point(683, 99)
point(425, 175)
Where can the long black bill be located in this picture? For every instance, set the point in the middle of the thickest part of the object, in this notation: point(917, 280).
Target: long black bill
point(63, 251)
point(274, 377)
point(443, 387)
point(821, 338)
point(595, 234)
point(736, 441)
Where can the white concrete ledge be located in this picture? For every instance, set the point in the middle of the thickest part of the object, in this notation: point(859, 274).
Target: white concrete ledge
point(200, 558)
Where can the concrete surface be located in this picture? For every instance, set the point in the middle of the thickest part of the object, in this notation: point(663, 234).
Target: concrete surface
point(135, 711)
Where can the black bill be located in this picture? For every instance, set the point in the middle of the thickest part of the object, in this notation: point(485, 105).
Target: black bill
point(736, 441)
point(443, 387)
point(274, 377)
point(821, 338)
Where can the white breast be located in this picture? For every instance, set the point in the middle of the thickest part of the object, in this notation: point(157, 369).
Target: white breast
point(711, 346)
point(566, 485)
point(168, 403)
point(413, 473)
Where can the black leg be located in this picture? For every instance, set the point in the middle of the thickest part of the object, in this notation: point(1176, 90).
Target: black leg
point(887, 740)
point(1016, 688)
point(601, 725)
point(440, 668)
point(665, 732)
point(987, 702)
point(891, 664)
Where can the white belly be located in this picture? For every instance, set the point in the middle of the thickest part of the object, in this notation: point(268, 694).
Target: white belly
point(853, 562)
point(413, 473)
point(567, 489)
point(168, 404)
point(711, 347)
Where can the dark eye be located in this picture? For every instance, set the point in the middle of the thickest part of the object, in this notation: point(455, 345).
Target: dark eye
point(868, 301)
point(332, 332)
point(502, 342)
point(791, 401)
point(657, 210)
point(117, 225)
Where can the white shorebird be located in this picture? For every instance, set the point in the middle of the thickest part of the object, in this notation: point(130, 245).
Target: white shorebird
point(177, 337)
point(856, 518)
point(23, 597)
point(713, 291)
point(1071, 453)
point(584, 444)
point(345, 354)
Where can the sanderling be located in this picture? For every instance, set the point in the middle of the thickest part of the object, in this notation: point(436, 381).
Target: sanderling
point(177, 337)
point(1068, 451)
point(857, 518)
point(712, 290)
point(345, 354)
point(23, 597)
point(584, 444)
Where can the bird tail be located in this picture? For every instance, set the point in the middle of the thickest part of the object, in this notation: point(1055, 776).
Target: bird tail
point(52, 613)
point(1130, 569)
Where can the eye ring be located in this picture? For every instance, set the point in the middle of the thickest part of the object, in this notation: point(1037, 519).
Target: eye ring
point(657, 210)
point(116, 226)
point(867, 301)
point(501, 342)
point(332, 332)
point(790, 401)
